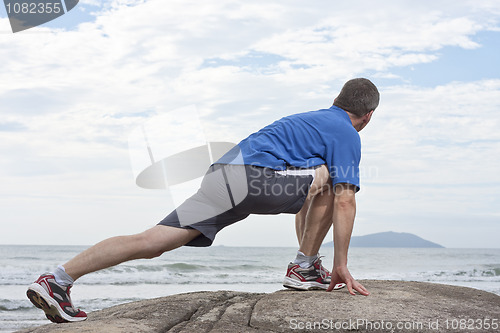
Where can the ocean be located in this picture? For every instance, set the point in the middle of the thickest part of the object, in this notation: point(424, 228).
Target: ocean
point(251, 269)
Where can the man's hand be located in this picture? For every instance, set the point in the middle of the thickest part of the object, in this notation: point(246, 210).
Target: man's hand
point(341, 274)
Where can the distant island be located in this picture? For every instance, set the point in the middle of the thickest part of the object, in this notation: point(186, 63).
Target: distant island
point(389, 239)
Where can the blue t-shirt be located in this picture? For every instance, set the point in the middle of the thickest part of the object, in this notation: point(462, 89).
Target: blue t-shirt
point(304, 140)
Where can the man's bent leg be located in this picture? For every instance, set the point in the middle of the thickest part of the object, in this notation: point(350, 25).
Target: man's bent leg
point(113, 251)
point(318, 221)
point(312, 224)
point(300, 220)
point(315, 218)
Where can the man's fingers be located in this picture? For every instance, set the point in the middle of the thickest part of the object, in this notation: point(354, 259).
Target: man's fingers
point(342, 275)
point(335, 280)
point(332, 285)
point(362, 290)
point(352, 287)
point(349, 287)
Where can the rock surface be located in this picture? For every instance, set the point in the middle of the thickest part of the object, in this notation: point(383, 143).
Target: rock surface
point(393, 306)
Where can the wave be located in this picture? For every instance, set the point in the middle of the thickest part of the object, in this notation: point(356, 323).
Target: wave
point(24, 258)
point(182, 279)
point(14, 305)
point(491, 274)
point(494, 271)
point(183, 273)
point(186, 267)
point(184, 282)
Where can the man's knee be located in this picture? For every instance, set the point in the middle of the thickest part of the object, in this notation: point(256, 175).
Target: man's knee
point(161, 238)
point(150, 245)
point(322, 182)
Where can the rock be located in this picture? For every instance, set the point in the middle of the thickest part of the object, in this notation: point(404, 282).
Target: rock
point(393, 306)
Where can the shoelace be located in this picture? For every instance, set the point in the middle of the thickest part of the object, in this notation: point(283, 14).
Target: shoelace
point(322, 271)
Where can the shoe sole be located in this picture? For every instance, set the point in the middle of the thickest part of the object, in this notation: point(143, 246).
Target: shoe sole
point(42, 300)
point(299, 285)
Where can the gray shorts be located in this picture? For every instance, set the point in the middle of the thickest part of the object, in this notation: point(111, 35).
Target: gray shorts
point(229, 193)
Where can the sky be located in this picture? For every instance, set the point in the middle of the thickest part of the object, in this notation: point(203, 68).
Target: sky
point(74, 90)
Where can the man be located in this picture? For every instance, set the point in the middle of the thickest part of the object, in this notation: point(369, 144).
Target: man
point(306, 164)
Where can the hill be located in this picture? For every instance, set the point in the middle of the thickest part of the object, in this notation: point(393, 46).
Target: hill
point(389, 239)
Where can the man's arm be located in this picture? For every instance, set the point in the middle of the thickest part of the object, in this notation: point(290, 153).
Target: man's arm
point(344, 211)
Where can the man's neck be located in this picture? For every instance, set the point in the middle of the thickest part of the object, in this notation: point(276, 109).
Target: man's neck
point(356, 121)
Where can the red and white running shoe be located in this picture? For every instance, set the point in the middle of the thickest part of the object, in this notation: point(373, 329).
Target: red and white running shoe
point(54, 300)
point(312, 278)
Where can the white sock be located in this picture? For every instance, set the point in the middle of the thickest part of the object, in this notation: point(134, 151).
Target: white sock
point(304, 261)
point(62, 278)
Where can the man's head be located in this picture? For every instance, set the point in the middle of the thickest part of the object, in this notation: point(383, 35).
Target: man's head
point(359, 97)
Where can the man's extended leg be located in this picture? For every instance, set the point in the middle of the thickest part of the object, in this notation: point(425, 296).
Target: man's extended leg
point(113, 251)
point(51, 292)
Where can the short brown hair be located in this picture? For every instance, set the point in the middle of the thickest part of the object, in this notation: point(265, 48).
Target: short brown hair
point(358, 96)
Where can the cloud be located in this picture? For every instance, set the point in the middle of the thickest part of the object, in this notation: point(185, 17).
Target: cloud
point(459, 118)
point(435, 152)
point(7, 126)
point(74, 95)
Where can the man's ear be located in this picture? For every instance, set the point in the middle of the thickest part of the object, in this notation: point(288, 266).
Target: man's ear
point(368, 116)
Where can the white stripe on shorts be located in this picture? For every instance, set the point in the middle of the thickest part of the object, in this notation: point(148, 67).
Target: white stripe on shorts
point(298, 172)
